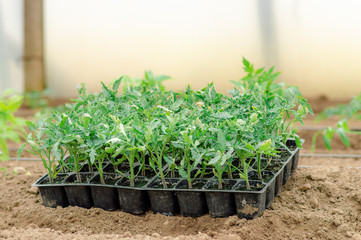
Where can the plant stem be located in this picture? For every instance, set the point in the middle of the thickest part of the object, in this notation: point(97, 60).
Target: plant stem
point(220, 183)
point(188, 170)
point(143, 165)
point(90, 168)
point(77, 167)
point(160, 165)
point(101, 177)
point(131, 163)
point(189, 184)
point(259, 171)
point(230, 171)
point(203, 170)
point(172, 173)
point(245, 172)
point(163, 181)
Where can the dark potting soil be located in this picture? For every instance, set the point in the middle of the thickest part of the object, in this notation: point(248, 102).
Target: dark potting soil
point(121, 167)
point(208, 172)
point(273, 166)
point(253, 187)
point(158, 184)
point(226, 185)
point(149, 172)
point(84, 178)
point(58, 179)
point(236, 162)
point(137, 182)
point(88, 168)
point(266, 177)
point(292, 147)
point(175, 174)
point(197, 184)
point(109, 179)
point(283, 155)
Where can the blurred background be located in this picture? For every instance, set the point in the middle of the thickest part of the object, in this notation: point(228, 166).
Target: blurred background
point(58, 44)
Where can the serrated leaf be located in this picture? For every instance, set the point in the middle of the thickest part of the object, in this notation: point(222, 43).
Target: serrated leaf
point(343, 124)
point(265, 146)
point(221, 140)
point(92, 155)
point(249, 146)
point(117, 83)
point(31, 125)
point(122, 130)
point(326, 140)
point(20, 150)
point(168, 160)
point(183, 173)
point(342, 133)
point(56, 151)
point(197, 157)
point(215, 159)
point(298, 141)
point(224, 159)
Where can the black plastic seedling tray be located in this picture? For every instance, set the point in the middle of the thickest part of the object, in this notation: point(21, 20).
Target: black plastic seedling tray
point(203, 198)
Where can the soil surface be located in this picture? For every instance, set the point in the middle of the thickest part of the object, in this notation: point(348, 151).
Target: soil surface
point(316, 203)
point(322, 200)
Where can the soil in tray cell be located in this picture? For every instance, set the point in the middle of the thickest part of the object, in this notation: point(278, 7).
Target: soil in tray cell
point(266, 176)
point(158, 183)
point(113, 169)
point(273, 166)
point(83, 177)
point(87, 168)
point(226, 184)
point(196, 184)
point(208, 172)
point(148, 172)
point(283, 155)
point(175, 174)
point(59, 179)
point(236, 162)
point(253, 187)
point(109, 179)
point(138, 182)
point(291, 144)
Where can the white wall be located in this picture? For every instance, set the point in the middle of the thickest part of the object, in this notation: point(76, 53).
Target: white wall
point(11, 45)
point(315, 43)
point(193, 41)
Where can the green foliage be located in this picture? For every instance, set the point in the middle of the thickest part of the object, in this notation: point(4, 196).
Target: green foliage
point(344, 111)
point(11, 127)
point(352, 110)
point(147, 126)
point(36, 99)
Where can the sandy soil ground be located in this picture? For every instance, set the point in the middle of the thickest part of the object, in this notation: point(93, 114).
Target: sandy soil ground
point(318, 202)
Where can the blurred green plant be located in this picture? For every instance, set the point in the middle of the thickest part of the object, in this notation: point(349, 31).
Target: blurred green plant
point(36, 99)
point(5, 170)
point(344, 111)
point(39, 101)
point(352, 110)
point(11, 127)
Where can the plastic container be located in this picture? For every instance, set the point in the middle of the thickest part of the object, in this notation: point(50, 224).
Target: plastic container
point(192, 203)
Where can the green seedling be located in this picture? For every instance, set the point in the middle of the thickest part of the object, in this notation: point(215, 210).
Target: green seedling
point(45, 145)
point(147, 126)
point(11, 127)
point(346, 112)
